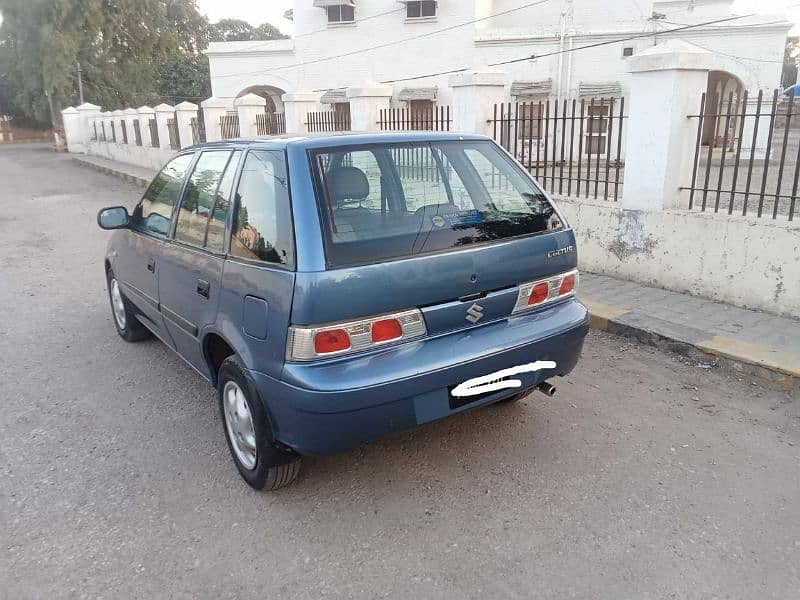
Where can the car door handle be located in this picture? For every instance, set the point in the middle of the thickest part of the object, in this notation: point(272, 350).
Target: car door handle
point(151, 265)
point(203, 288)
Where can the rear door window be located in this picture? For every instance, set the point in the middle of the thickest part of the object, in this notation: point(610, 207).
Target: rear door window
point(262, 225)
point(385, 201)
point(201, 222)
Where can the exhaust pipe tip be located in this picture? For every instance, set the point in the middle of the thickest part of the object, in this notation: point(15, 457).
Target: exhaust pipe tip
point(548, 389)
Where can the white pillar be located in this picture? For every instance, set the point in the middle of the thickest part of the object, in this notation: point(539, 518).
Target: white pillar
point(474, 97)
point(247, 107)
point(164, 112)
point(145, 114)
point(296, 107)
point(184, 113)
point(88, 113)
point(71, 119)
point(213, 110)
point(666, 83)
point(366, 103)
point(130, 115)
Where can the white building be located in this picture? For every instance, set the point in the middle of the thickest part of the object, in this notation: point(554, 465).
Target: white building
point(415, 45)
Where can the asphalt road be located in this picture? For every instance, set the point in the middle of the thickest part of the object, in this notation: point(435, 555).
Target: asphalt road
point(645, 477)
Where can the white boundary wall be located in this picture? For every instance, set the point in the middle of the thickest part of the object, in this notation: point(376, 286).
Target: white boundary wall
point(745, 261)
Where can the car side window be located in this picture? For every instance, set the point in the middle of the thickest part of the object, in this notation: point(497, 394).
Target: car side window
point(262, 225)
point(153, 214)
point(197, 209)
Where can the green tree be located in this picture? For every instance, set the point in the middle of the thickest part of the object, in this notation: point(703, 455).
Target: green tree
point(236, 30)
point(789, 74)
point(182, 77)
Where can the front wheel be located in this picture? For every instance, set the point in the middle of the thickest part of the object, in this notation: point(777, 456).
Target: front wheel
point(128, 326)
point(260, 462)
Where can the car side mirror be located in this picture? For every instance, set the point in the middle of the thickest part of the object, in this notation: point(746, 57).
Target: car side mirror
point(115, 217)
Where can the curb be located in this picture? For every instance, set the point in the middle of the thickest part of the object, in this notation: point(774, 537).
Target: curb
point(779, 369)
point(119, 174)
point(733, 355)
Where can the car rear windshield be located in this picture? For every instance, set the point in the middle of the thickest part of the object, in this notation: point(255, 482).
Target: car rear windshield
point(387, 201)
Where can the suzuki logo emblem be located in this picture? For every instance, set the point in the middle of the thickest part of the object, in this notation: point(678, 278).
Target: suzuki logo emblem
point(475, 313)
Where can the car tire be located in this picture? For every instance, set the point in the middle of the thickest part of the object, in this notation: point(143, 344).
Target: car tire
point(260, 461)
point(128, 325)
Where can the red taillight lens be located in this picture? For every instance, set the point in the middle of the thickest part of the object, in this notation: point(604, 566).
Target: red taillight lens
point(539, 294)
point(386, 330)
point(567, 285)
point(333, 340)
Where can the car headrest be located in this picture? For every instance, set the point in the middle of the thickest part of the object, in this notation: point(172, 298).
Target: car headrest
point(347, 183)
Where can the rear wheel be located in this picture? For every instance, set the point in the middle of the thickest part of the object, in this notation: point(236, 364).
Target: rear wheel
point(260, 462)
point(128, 326)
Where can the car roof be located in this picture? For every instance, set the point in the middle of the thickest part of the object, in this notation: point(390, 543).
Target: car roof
point(324, 140)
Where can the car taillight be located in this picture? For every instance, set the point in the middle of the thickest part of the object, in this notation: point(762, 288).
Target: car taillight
point(308, 343)
point(538, 293)
point(335, 340)
point(386, 330)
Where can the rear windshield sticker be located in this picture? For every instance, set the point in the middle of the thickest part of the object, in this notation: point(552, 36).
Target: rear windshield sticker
point(457, 219)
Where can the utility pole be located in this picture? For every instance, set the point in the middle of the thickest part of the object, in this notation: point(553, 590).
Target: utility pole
point(80, 83)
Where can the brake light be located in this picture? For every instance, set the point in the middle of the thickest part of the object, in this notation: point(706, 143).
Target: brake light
point(539, 294)
point(335, 340)
point(386, 330)
point(322, 341)
point(544, 291)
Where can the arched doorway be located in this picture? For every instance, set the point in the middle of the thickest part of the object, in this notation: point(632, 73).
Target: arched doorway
point(270, 93)
point(724, 93)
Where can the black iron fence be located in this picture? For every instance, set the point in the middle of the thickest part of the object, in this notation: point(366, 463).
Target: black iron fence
point(229, 127)
point(137, 132)
point(198, 126)
point(270, 124)
point(154, 141)
point(405, 119)
point(123, 127)
point(328, 120)
point(94, 132)
point(174, 138)
point(102, 131)
point(746, 155)
point(113, 133)
point(572, 147)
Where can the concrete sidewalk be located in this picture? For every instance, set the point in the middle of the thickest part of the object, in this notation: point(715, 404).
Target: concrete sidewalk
point(715, 334)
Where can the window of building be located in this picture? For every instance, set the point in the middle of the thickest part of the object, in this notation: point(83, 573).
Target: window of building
point(627, 51)
point(597, 128)
point(420, 9)
point(262, 221)
point(153, 214)
point(341, 13)
point(529, 117)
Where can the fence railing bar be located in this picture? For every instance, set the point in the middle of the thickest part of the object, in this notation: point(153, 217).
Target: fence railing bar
point(783, 156)
point(753, 150)
point(563, 141)
point(516, 129)
point(724, 150)
point(619, 147)
point(571, 147)
point(766, 156)
point(738, 151)
point(580, 146)
point(589, 148)
point(711, 145)
point(539, 138)
point(609, 141)
point(554, 162)
point(697, 148)
point(599, 154)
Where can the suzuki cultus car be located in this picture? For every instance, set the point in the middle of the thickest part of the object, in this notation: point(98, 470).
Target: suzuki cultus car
point(336, 289)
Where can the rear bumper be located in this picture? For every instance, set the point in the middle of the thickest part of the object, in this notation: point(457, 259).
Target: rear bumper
point(330, 407)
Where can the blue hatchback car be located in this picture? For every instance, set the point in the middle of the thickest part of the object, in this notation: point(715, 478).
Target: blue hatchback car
point(336, 289)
